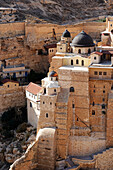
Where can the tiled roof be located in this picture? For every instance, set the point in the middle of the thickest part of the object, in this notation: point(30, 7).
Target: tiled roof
point(99, 53)
point(33, 88)
point(50, 46)
point(8, 80)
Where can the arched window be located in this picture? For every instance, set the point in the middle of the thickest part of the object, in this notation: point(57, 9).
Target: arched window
point(72, 89)
point(82, 62)
point(79, 51)
point(77, 61)
point(44, 90)
point(93, 103)
point(89, 51)
point(71, 62)
point(47, 115)
point(30, 104)
point(112, 87)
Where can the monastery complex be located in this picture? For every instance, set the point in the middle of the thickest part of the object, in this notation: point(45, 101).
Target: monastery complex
point(73, 108)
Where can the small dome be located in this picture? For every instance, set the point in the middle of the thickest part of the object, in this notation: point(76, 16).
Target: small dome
point(53, 74)
point(82, 40)
point(66, 34)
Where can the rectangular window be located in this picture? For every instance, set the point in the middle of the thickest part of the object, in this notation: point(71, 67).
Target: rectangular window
point(100, 73)
point(73, 106)
point(93, 112)
point(104, 73)
point(30, 104)
point(95, 73)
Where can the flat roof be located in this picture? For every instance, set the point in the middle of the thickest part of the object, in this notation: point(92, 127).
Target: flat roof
point(14, 71)
point(74, 68)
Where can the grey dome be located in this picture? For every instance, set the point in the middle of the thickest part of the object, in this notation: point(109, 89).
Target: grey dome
point(66, 34)
point(82, 40)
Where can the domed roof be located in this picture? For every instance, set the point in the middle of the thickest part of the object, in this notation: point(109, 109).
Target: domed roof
point(82, 40)
point(53, 74)
point(66, 34)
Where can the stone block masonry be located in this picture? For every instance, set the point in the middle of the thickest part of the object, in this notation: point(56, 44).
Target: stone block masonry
point(12, 98)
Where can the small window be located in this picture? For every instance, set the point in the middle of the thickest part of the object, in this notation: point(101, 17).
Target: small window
point(93, 103)
point(94, 58)
point(51, 78)
point(103, 91)
point(89, 51)
point(93, 91)
point(72, 89)
point(50, 103)
point(8, 85)
point(77, 61)
point(47, 115)
point(103, 106)
point(77, 119)
point(103, 112)
point(7, 74)
point(112, 87)
point(95, 73)
point(60, 48)
point(30, 104)
point(82, 62)
point(73, 106)
point(93, 112)
point(79, 51)
point(55, 104)
point(100, 73)
point(94, 86)
point(104, 73)
point(103, 86)
point(111, 25)
point(71, 62)
point(103, 99)
point(44, 90)
point(20, 72)
point(15, 84)
point(54, 90)
point(43, 102)
point(50, 51)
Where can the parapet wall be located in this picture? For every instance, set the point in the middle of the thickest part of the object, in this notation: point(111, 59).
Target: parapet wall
point(12, 29)
point(45, 30)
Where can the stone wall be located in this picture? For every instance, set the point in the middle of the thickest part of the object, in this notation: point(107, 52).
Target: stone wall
point(12, 98)
point(85, 145)
point(12, 29)
point(41, 154)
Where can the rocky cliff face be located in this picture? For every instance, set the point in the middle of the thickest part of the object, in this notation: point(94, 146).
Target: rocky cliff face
point(59, 11)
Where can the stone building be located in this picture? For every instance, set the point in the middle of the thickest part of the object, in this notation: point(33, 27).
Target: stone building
point(76, 112)
point(33, 101)
point(18, 72)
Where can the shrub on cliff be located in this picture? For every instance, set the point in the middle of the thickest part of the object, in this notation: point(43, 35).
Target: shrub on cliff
point(11, 119)
point(33, 76)
point(22, 127)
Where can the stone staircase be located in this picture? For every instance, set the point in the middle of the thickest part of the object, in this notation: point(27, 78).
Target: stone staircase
point(61, 120)
point(88, 162)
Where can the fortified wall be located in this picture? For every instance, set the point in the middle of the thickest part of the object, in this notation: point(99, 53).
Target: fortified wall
point(20, 42)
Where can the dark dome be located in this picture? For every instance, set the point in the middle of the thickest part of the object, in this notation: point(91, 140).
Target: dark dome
point(82, 40)
point(66, 34)
point(53, 74)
